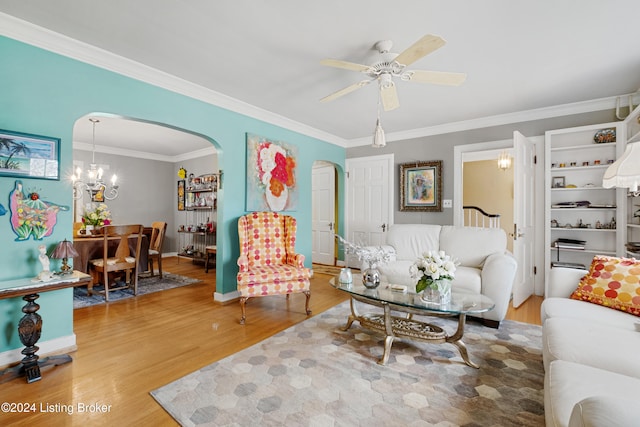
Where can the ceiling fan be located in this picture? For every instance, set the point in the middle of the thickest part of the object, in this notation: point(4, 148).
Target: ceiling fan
point(390, 66)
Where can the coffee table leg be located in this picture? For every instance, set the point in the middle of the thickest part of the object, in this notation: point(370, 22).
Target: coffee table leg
point(388, 341)
point(456, 339)
point(353, 316)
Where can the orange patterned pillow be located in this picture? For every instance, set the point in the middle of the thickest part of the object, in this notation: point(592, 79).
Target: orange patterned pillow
point(612, 282)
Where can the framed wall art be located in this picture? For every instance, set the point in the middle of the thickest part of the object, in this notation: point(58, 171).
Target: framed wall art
point(181, 185)
point(421, 186)
point(271, 175)
point(29, 156)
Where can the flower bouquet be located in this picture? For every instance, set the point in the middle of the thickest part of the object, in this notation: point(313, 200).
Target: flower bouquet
point(98, 217)
point(372, 255)
point(434, 272)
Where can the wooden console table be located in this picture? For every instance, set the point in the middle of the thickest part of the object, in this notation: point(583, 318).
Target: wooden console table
point(30, 326)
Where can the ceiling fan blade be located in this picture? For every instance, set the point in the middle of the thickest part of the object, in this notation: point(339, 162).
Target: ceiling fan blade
point(344, 64)
point(422, 47)
point(346, 90)
point(389, 96)
point(435, 77)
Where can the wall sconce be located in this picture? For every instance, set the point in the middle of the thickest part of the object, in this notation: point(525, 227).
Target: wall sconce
point(504, 161)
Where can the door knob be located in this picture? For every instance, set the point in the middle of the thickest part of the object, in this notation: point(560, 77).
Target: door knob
point(384, 227)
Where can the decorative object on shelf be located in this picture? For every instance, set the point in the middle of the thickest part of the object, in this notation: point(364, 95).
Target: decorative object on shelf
point(64, 250)
point(625, 172)
point(271, 175)
point(604, 136)
point(30, 215)
point(434, 272)
point(94, 186)
point(557, 182)
point(98, 217)
point(421, 186)
point(29, 156)
point(504, 160)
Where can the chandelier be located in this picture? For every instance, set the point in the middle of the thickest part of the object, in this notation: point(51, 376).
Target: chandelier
point(94, 184)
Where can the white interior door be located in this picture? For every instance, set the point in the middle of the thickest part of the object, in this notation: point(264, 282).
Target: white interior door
point(370, 195)
point(523, 215)
point(323, 215)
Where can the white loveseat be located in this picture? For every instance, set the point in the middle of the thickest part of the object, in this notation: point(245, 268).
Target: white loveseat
point(590, 354)
point(486, 267)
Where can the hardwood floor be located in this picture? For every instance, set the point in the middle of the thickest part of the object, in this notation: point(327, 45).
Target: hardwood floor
point(128, 348)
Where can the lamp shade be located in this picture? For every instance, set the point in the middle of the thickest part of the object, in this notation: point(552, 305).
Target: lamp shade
point(625, 172)
point(64, 249)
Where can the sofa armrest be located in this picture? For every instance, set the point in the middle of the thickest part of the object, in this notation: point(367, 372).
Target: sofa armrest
point(563, 281)
point(498, 275)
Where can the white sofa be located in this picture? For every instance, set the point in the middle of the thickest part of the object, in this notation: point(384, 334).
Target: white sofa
point(486, 267)
point(590, 355)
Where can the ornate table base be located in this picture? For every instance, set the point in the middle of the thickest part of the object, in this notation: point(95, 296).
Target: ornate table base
point(398, 327)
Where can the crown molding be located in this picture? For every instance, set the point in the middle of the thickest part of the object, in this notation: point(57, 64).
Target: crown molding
point(600, 104)
point(37, 36)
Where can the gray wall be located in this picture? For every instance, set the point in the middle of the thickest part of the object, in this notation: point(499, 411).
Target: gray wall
point(440, 147)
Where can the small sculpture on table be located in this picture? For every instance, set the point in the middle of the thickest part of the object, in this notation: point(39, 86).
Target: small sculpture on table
point(45, 274)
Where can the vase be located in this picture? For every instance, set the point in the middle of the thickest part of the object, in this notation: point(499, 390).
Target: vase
point(88, 229)
point(345, 277)
point(371, 277)
point(439, 292)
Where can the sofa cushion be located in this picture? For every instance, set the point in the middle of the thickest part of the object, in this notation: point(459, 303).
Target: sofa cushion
point(573, 340)
point(471, 245)
point(412, 240)
point(397, 273)
point(567, 383)
point(612, 282)
point(564, 307)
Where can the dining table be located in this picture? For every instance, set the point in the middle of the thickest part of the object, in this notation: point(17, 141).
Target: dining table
point(91, 247)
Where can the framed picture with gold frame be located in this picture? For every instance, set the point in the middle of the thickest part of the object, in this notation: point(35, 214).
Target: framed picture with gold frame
point(181, 185)
point(421, 186)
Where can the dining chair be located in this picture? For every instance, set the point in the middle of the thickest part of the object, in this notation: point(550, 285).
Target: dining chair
point(159, 229)
point(122, 261)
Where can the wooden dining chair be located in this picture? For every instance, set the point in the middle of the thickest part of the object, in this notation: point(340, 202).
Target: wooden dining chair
point(159, 229)
point(122, 261)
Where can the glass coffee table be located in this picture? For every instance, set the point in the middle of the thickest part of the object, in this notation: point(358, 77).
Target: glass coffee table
point(410, 304)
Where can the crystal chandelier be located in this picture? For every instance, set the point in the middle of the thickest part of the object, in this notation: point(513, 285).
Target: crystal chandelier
point(94, 185)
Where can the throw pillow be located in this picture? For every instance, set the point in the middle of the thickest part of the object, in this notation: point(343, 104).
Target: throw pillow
point(612, 282)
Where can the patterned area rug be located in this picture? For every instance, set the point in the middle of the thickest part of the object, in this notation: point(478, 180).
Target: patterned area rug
point(314, 374)
point(145, 286)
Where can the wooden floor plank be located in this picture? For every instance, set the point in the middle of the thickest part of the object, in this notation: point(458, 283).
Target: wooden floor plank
point(128, 348)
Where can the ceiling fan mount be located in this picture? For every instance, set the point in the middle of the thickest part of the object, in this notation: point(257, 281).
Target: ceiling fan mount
point(391, 65)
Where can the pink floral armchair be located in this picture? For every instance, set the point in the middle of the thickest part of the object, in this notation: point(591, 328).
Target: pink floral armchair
point(268, 262)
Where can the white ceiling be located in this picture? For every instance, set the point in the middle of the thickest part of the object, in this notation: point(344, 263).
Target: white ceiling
point(519, 56)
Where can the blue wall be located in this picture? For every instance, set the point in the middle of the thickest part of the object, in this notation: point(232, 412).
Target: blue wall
point(44, 93)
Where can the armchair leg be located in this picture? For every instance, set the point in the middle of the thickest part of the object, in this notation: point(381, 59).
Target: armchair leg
point(306, 305)
point(243, 300)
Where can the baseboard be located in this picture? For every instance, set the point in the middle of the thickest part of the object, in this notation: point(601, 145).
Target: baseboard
point(227, 298)
point(52, 347)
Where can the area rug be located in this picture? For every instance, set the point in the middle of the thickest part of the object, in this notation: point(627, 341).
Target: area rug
point(314, 374)
point(145, 286)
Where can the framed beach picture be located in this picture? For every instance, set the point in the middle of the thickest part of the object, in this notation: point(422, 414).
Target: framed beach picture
point(29, 156)
point(421, 186)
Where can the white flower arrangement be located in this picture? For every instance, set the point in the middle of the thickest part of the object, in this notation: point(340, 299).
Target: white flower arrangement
point(432, 267)
point(372, 255)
